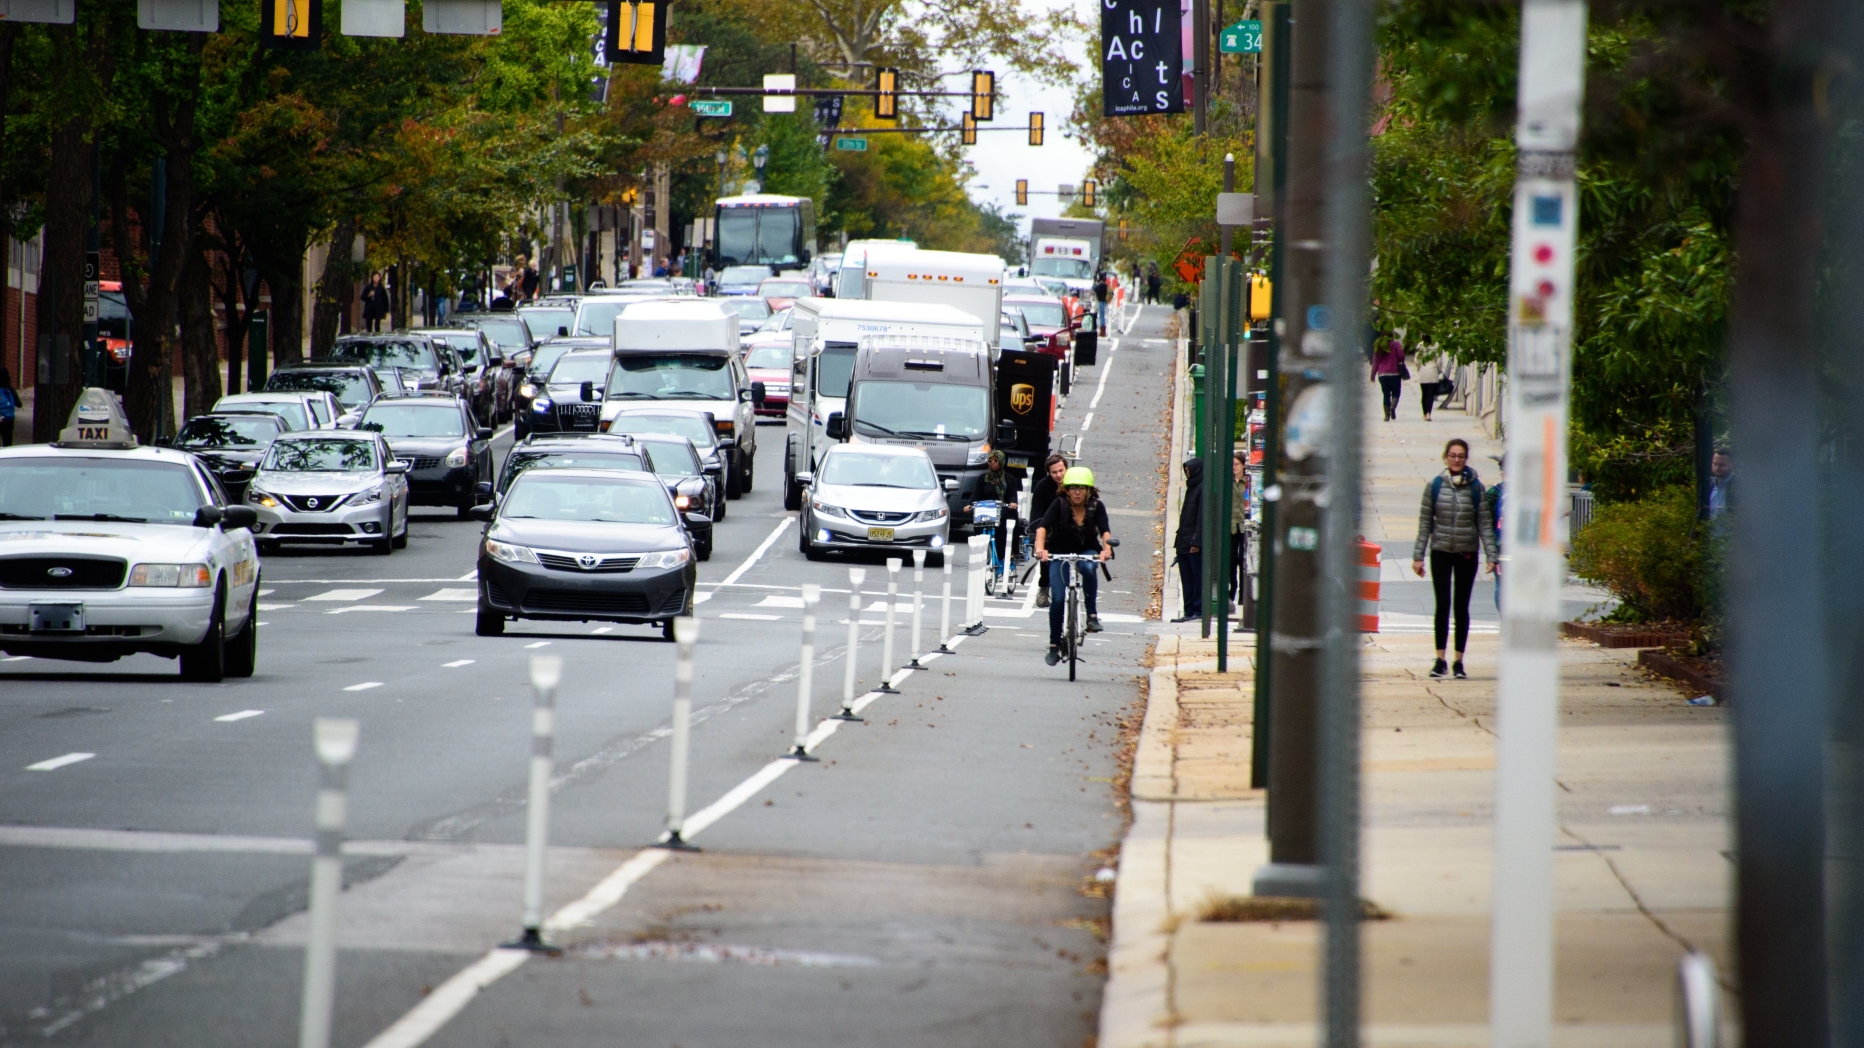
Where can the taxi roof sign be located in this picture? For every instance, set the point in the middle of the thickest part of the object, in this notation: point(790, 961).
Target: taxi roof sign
point(97, 421)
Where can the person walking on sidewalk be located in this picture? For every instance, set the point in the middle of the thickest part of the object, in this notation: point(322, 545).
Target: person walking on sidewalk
point(1453, 522)
point(374, 304)
point(1239, 521)
point(1389, 371)
point(9, 407)
point(1075, 523)
point(1430, 382)
point(1188, 545)
point(1496, 494)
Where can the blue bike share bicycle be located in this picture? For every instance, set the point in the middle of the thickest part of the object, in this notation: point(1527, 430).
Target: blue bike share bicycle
point(986, 518)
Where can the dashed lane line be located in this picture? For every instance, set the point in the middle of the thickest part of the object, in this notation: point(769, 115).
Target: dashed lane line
point(539, 644)
point(369, 607)
point(59, 762)
point(456, 664)
point(460, 595)
point(750, 617)
point(228, 718)
point(364, 686)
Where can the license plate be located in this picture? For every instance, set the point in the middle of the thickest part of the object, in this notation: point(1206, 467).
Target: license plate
point(57, 618)
point(880, 534)
point(1018, 463)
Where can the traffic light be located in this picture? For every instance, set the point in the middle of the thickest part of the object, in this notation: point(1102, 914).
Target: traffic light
point(637, 32)
point(887, 102)
point(1035, 129)
point(1087, 192)
point(967, 129)
point(1261, 297)
point(1022, 192)
point(291, 25)
point(1122, 229)
point(983, 95)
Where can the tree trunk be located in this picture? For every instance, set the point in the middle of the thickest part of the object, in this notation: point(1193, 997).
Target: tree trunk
point(336, 289)
point(284, 276)
point(199, 345)
point(8, 32)
point(61, 280)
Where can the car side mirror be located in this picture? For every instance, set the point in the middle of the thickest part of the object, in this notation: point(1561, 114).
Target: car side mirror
point(837, 426)
point(711, 470)
point(949, 484)
point(748, 395)
point(695, 518)
point(1006, 431)
point(483, 514)
point(395, 466)
point(805, 478)
point(483, 489)
point(588, 392)
point(235, 517)
point(757, 393)
point(562, 331)
point(207, 516)
point(483, 433)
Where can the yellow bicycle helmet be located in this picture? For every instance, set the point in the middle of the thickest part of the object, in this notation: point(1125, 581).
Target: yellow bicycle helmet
point(1078, 477)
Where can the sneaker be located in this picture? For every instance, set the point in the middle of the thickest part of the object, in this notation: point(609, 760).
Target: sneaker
point(1439, 668)
point(1053, 656)
point(1189, 618)
point(1042, 597)
point(1457, 671)
point(1093, 624)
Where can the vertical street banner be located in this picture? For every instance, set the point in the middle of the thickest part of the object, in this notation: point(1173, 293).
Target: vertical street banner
point(1141, 57)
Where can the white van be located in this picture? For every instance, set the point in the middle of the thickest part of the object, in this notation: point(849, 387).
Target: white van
point(851, 278)
point(683, 353)
point(825, 334)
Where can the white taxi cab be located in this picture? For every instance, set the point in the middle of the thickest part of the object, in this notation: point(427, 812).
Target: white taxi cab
point(108, 549)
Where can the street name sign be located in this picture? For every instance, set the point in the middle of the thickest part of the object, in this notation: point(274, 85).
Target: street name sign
point(851, 145)
point(711, 106)
point(1243, 38)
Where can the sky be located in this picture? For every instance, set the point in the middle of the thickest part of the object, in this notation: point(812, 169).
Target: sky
point(1002, 157)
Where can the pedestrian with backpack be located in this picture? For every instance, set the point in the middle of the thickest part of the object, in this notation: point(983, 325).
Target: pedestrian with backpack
point(1454, 523)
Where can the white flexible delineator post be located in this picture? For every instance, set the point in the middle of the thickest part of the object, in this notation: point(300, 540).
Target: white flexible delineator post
point(685, 633)
point(336, 744)
point(974, 593)
point(919, 585)
point(805, 673)
point(546, 674)
point(886, 645)
point(855, 578)
point(944, 615)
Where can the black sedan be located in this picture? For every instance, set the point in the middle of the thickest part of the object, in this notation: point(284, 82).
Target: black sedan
point(534, 376)
point(692, 493)
point(430, 364)
point(581, 544)
point(448, 453)
point(231, 444)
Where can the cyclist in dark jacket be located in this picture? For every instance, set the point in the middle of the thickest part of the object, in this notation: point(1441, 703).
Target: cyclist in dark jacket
point(1075, 523)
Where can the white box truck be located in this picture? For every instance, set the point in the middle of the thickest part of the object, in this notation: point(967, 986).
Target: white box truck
point(825, 332)
point(972, 283)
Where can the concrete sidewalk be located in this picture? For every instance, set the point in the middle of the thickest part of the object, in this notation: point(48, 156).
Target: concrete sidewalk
point(1641, 870)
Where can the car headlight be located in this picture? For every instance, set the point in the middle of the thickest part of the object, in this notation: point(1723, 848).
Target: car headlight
point(826, 509)
point(527, 391)
point(363, 498)
point(671, 558)
point(261, 498)
point(977, 456)
point(509, 553)
point(541, 405)
point(931, 514)
point(186, 576)
point(456, 457)
point(682, 502)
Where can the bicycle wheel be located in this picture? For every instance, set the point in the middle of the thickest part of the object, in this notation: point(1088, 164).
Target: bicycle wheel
point(1073, 635)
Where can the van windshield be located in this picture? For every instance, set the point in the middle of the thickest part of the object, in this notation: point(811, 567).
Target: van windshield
point(925, 410)
point(671, 376)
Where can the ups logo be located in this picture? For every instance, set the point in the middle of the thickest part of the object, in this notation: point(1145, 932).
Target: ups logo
point(1022, 398)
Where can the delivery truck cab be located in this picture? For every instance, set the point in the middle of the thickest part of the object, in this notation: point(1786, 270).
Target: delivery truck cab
point(826, 332)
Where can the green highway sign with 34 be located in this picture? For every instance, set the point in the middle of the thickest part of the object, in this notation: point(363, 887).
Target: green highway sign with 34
point(711, 106)
point(851, 145)
point(1243, 38)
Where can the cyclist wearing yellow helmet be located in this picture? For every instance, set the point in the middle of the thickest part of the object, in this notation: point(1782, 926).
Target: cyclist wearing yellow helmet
point(1075, 523)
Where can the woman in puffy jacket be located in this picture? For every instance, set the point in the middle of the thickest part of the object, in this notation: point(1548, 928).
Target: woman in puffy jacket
point(1454, 522)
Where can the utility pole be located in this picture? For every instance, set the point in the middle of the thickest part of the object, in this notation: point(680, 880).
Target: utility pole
point(1200, 62)
point(1527, 697)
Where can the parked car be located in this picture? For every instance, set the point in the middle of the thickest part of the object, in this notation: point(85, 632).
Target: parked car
point(231, 444)
point(329, 489)
point(582, 545)
point(447, 452)
point(349, 387)
point(873, 497)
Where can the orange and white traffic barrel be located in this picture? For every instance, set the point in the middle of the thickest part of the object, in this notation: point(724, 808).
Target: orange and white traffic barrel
point(1368, 586)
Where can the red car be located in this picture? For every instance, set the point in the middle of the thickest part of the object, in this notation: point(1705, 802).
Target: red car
point(782, 292)
point(1049, 319)
point(769, 362)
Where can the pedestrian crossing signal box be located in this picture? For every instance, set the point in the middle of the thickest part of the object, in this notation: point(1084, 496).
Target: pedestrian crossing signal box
point(1261, 298)
point(1025, 397)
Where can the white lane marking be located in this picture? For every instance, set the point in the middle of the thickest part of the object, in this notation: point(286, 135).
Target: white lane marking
point(701, 598)
point(345, 594)
point(58, 762)
point(456, 664)
point(779, 602)
point(1134, 319)
point(364, 686)
point(1115, 616)
point(99, 993)
point(601, 629)
point(753, 618)
point(471, 576)
point(266, 592)
point(348, 582)
point(228, 718)
point(898, 606)
point(539, 644)
point(447, 1000)
point(758, 552)
point(263, 606)
point(461, 595)
point(744, 791)
point(1105, 370)
point(264, 623)
point(16, 658)
point(370, 607)
point(1088, 422)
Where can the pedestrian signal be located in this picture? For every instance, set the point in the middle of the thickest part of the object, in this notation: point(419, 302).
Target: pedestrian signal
point(1035, 129)
point(967, 129)
point(1087, 192)
point(887, 102)
point(637, 32)
point(983, 95)
point(1022, 192)
point(291, 25)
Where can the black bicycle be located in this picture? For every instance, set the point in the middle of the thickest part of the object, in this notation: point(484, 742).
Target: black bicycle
point(1071, 617)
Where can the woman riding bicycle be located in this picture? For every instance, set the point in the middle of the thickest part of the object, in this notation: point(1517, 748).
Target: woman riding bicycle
point(999, 486)
point(1075, 523)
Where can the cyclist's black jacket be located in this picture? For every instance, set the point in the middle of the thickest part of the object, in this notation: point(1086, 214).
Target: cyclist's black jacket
point(1065, 536)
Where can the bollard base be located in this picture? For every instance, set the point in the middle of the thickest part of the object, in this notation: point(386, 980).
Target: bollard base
point(976, 629)
point(944, 649)
point(888, 689)
point(533, 942)
point(916, 665)
point(848, 715)
point(800, 754)
point(675, 842)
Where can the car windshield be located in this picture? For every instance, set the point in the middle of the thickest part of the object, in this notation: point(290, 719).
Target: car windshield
point(387, 352)
point(743, 276)
point(785, 289)
point(544, 496)
point(671, 376)
point(674, 457)
point(522, 460)
point(547, 356)
point(548, 319)
point(581, 367)
point(350, 388)
point(292, 409)
point(1044, 314)
point(775, 355)
point(413, 420)
point(328, 455)
point(834, 367)
point(929, 410)
point(466, 344)
point(227, 431)
point(509, 332)
point(747, 308)
point(867, 470)
point(596, 316)
point(1077, 268)
point(95, 488)
point(692, 427)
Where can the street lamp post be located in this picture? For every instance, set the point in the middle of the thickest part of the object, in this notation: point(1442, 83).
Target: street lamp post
point(759, 158)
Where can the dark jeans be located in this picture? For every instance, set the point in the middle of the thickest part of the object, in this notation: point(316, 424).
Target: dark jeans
point(1447, 571)
point(1191, 580)
point(1428, 391)
point(1239, 570)
point(1058, 594)
point(1392, 386)
point(6, 432)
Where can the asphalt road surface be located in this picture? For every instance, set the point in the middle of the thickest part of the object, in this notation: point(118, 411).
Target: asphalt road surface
point(931, 881)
